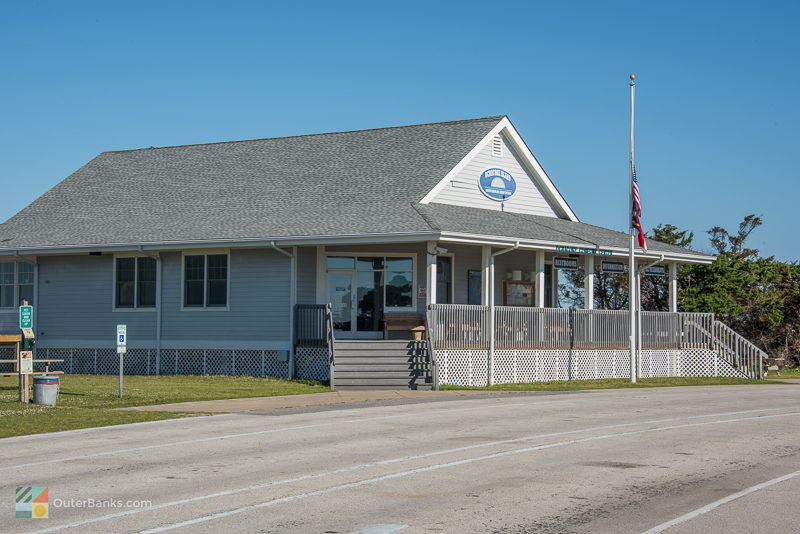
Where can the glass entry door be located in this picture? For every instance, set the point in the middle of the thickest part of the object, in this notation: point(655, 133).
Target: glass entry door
point(360, 290)
point(340, 294)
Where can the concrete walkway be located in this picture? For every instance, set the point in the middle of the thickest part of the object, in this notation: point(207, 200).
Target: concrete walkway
point(298, 401)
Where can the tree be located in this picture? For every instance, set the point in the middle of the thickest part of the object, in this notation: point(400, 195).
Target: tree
point(726, 243)
point(655, 289)
point(757, 297)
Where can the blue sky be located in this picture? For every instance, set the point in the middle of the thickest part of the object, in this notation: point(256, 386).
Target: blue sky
point(717, 85)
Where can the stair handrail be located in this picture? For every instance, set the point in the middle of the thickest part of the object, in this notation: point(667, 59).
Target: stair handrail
point(742, 348)
point(730, 353)
point(329, 337)
point(431, 353)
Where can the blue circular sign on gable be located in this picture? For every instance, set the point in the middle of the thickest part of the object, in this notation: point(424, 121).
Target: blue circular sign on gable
point(497, 184)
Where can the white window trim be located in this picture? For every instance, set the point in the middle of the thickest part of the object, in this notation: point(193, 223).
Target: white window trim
point(135, 309)
point(204, 307)
point(16, 285)
point(414, 277)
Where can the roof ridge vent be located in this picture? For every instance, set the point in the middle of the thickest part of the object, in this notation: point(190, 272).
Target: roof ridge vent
point(497, 146)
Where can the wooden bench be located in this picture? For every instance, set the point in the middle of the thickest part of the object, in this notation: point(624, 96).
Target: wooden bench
point(407, 322)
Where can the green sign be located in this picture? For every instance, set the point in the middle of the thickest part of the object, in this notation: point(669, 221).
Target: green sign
point(574, 250)
point(25, 317)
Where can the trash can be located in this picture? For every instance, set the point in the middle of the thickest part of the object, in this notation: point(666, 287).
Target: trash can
point(45, 390)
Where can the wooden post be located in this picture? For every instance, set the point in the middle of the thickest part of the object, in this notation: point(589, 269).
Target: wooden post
point(23, 379)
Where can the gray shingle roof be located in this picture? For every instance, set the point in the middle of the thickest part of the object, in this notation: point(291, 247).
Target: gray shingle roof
point(534, 227)
point(345, 183)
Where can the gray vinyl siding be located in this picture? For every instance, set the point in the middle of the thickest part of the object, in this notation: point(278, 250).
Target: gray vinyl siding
point(9, 321)
point(466, 258)
point(463, 189)
point(307, 275)
point(75, 303)
point(258, 301)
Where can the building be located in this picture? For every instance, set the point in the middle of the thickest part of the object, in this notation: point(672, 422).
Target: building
point(214, 254)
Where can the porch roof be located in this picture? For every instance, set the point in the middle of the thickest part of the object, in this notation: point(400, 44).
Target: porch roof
point(536, 228)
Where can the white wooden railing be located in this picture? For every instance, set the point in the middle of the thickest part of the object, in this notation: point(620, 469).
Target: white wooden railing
point(456, 326)
point(459, 326)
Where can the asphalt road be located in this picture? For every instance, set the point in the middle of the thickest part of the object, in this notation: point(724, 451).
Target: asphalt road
point(676, 460)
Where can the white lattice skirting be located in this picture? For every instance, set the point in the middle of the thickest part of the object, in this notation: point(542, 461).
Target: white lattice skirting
point(171, 362)
point(469, 367)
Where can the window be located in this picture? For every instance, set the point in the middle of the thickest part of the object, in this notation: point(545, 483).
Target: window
point(16, 284)
point(444, 279)
point(399, 280)
point(135, 283)
point(205, 281)
point(474, 279)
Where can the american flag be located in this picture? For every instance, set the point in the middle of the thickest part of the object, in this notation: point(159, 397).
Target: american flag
point(636, 210)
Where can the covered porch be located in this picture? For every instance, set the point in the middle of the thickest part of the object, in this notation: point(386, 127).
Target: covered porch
point(496, 312)
point(368, 284)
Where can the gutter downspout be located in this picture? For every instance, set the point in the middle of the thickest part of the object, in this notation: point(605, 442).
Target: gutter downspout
point(490, 377)
point(292, 299)
point(159, 278)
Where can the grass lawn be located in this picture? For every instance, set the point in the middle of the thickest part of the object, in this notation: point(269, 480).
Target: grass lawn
point(786, 372)
point(614, 383)
point(90, 400)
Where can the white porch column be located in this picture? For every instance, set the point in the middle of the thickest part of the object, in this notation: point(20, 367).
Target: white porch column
point(431, 271)
point(539, 282)
point(490, 363)
point(673, 287)
point(588, 282)
point(486, 260)
point(322, 276)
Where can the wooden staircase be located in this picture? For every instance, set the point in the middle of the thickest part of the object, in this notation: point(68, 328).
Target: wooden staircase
point(375, 364)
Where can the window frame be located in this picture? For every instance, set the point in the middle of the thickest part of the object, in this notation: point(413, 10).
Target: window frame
point(136, 308)
point(385, 270)
point(205, 253)
point(16, 285)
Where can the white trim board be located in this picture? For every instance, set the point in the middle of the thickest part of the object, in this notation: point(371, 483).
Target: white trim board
point(150, 344)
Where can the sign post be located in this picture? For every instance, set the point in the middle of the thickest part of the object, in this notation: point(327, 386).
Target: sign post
point(25, 358)
point(122, 342)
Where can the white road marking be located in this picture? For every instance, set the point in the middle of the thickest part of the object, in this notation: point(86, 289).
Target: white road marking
point(260, 432)
point(426, 455)
point(380, 529)
point(334, 423)
point(707, 508)
point(437, 467)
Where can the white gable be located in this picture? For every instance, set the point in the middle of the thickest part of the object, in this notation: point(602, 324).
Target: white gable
point(502, 149)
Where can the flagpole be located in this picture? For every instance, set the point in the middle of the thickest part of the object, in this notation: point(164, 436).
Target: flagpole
point(632, 300)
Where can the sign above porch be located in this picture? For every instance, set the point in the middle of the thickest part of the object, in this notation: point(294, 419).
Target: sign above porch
point(565, 264)
point(497, 184)
point(575, 250)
